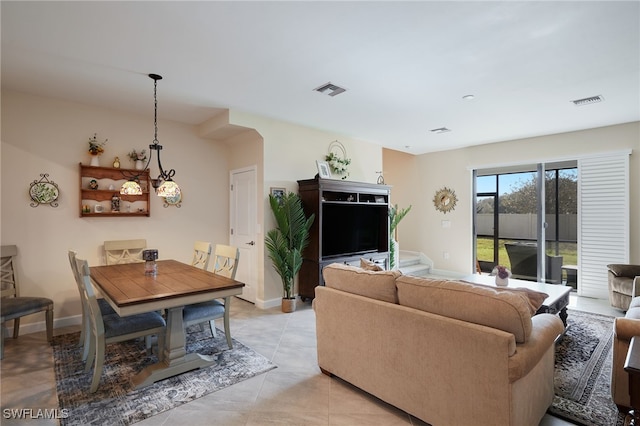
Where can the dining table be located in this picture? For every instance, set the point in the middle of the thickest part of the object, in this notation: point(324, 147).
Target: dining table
point(175, 284)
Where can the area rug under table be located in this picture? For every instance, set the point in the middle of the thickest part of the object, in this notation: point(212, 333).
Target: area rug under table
point(117, 403)
point(583, 372)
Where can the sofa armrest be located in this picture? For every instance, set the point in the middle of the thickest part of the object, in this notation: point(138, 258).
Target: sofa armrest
point(546, 329)
point(624, 270)
point(626, 328)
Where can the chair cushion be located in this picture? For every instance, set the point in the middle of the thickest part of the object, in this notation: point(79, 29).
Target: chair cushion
point(16, 307)
point(105, 307)
point(376, 285)
point(115, 325)
point(203, 310)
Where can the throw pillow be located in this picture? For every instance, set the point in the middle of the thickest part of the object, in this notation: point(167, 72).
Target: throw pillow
point(535, 298)
point(368, 265)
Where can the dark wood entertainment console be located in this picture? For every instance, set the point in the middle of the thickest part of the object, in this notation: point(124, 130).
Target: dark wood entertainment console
point(352, 222)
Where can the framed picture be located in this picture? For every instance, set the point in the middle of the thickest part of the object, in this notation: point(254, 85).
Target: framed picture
point(323, 169)
point(278, 192)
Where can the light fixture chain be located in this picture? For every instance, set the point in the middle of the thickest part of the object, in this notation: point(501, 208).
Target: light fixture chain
point(155, 110)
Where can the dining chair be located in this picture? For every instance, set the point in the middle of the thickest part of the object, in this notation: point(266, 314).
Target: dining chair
point(12, 305)
point(226, 264)
point(112, 328)
point(201, 254)
point(105, 308)
point(124, 251)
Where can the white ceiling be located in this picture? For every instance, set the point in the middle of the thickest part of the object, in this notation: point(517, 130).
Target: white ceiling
point(405, 65)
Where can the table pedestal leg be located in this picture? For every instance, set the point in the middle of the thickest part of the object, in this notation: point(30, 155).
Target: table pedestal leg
point(176, 359)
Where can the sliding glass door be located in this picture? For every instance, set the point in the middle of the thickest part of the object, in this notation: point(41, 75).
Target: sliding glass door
point(526, 222)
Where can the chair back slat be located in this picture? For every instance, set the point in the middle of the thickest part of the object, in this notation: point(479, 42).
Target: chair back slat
point(201, 254)
point(124, 251)
point(226, 260)
point(89, 297)
point(8, 276)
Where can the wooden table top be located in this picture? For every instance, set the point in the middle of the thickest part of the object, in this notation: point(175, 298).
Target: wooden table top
point(127, 285)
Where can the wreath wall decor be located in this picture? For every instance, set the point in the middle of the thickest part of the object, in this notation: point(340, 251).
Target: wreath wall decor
point(337, 159)
point(445, 200)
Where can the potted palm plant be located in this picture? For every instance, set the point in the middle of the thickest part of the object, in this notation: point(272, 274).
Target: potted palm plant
point(286, 242)
point(395, 216)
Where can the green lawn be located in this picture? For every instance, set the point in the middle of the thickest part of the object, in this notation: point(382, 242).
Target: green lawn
point(568, 251)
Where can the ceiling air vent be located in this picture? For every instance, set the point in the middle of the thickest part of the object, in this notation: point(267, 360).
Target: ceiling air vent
point(440, 130)
point(332, 89)
point(588, 101)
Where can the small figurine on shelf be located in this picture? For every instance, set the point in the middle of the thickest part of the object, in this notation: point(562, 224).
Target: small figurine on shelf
point(93, 184)
point(116, 163)
point(115, 203)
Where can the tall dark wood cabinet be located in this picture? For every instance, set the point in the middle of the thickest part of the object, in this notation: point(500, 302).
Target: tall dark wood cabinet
point(352, 222)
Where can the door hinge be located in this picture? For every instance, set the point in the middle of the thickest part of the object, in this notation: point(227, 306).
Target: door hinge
point(231, 231)
point(232, 187)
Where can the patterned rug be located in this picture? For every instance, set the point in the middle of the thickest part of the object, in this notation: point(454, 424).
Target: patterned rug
point(116, 403)
point(583, 372)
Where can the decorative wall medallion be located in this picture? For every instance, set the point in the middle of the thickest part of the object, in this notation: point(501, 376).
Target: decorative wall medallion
point(44, 191)
point(445, 200)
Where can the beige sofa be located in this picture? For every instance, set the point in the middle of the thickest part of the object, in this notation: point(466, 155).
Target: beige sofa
point(623, 330)
point(446, 352)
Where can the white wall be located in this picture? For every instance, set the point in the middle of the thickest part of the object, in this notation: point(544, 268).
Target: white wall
point(290, 152)
point(422, 229)
point(43, 135)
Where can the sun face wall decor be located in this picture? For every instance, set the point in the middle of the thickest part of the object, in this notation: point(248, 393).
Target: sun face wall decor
point(445, 200)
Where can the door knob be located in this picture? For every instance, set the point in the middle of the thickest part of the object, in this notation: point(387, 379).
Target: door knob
point(251, 243)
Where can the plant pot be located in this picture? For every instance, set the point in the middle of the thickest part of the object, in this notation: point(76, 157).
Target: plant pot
point(502, 282)
point(288, 305)
point(94, 160)
point(139, 165)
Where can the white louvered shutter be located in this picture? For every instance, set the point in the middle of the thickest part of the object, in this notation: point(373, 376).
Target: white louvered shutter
point(603, 220)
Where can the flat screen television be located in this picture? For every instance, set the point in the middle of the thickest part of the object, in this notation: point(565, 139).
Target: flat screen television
point(351, 229)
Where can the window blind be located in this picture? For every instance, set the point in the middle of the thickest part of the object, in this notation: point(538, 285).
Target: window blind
point(603, 220)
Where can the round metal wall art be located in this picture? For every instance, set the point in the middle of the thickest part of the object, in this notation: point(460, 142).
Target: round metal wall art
point(44, 191)
point(445, 200)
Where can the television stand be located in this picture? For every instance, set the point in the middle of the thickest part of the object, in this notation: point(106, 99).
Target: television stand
point(351, 218)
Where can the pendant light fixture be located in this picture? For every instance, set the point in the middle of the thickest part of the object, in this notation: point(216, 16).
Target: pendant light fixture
point(164, 184)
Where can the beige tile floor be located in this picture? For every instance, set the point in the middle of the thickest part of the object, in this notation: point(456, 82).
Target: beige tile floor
point(295, 393)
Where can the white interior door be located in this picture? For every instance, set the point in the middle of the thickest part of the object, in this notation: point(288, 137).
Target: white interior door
point(243, 217)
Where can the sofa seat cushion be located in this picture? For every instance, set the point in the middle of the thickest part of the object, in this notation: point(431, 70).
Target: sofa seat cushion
point(379, 285)
point(504, 310)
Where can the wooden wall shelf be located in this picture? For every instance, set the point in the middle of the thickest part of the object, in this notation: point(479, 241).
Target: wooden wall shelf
point(130, 205)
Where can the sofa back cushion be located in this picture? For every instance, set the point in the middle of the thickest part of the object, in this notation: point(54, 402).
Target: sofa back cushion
point(379, 285)
point(503, 310)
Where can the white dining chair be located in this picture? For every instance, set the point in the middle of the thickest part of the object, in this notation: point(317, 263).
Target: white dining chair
point(112, 328)
point(226, 264)
point(124, 251)
point(105, 308)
